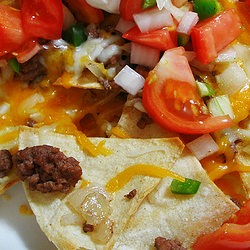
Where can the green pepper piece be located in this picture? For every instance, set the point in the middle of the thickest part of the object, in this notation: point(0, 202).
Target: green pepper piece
point(188, 187)
point(14, 64)
point(182, 39)
point(75, 35)
point(148, 4)
point(206, 8)
point(205, 89)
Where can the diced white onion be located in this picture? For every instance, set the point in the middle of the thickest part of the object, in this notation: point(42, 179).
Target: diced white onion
point(24, 57)
point(227, 55)
point(123, 25)
point(203, 146)
point(71, 219)
point(111, 6)
point(153, 19)
point(4, 108)
point(220, 105)
point(108, 52)
point(232, 79)
point(144, 55)
point(60, 44)
point(129, 80)
point(188, 21)
point(138, 105)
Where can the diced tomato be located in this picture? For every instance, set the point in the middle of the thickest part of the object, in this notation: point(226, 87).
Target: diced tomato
point(161, 39)
point(27, 51)
point(230, 235)
point(11, 30)
point(244, 13)
point(42, 18)
point(128, 8)
point(171, 99)
point(213, 34)
point(84, 12)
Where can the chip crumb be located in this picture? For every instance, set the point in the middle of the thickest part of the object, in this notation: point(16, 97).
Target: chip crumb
point(131, 194)
point(25, 210)
point(87, 228)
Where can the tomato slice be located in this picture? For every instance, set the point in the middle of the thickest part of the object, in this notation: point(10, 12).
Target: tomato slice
point(171, 99)
point(128, 8)
point(42, 18)
point(230, 235)
point(11, 30)
point(84, 12)
point(162, 39)
point(212, 35)
point(244, 13)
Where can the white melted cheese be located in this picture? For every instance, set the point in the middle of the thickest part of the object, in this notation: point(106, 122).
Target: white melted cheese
point(90, 50)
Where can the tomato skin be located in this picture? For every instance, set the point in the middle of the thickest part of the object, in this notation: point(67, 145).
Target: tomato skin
point(11, 30)
point(242, 216)
point(212, 35)
point(84, 12)
point(128, 8)
point(244, 13)
point(171, 99)
point(42, 18)
point(162, 39)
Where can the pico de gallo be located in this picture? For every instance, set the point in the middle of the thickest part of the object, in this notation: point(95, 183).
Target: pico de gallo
point(188, 60)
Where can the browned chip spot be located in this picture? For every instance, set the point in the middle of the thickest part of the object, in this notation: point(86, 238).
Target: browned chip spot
point(131, 194)
point(164, 244)
point(87, 228)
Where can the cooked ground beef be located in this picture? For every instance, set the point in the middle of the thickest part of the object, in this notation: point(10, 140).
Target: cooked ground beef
point(31, 70)
point(131, 194)
point(46, 169)
point(164, 244)
point(5, 162)
point(87, 228)
point(144, 121)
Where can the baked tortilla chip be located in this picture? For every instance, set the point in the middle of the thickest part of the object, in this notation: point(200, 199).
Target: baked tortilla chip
point(244, 158)
point(51, 209)
point(132, 114)
point(8, 139)
point(177, 217)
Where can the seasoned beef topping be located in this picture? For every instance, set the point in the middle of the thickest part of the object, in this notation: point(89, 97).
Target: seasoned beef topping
point(5, 162)
point(144, 121)
point(87, 228)
point(164, 244)
point(131, 194)
point(46, 169)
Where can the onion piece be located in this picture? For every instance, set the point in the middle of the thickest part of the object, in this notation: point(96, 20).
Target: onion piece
point(111, 6)
point(123, 25)
point(220, 105)
point(203, 146)
point(33, 47)
point(227, 55)
point(129, 80)
point(153, 19)
point(144, 55)
point(188, 21)
point(232, 79)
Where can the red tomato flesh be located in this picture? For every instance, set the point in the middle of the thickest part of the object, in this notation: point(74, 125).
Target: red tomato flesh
point(213, 34)
point(42, 18)
point(171, 99)
point(162, 39)
point(11, 30)
point(128, 8)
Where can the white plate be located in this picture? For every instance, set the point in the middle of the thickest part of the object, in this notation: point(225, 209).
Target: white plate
point(19, 231)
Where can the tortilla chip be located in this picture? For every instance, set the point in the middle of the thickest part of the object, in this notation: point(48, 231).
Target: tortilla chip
point(177, 217)
point(244, 159)
point(132, 115)
point(8, 138)
point(51, 208)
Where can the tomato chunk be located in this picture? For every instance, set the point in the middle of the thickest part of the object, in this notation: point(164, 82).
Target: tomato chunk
point(212, 35)
point(84, 12)
point(128, 8)
point(11, 30)
point(42, 18)
point(162, 39)
point(171, 99)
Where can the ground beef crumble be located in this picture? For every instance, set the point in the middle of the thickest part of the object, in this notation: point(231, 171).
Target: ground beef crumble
point(46, 169)
point(164, 244)
point(5, 162)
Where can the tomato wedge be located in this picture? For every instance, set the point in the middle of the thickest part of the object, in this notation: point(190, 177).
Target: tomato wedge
point(11, 30)
point(162, 39)
point(212, 35)
point(84, 12)
point(128, 8)
point(42, 18)
point(230, 235)
point(171, 99)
